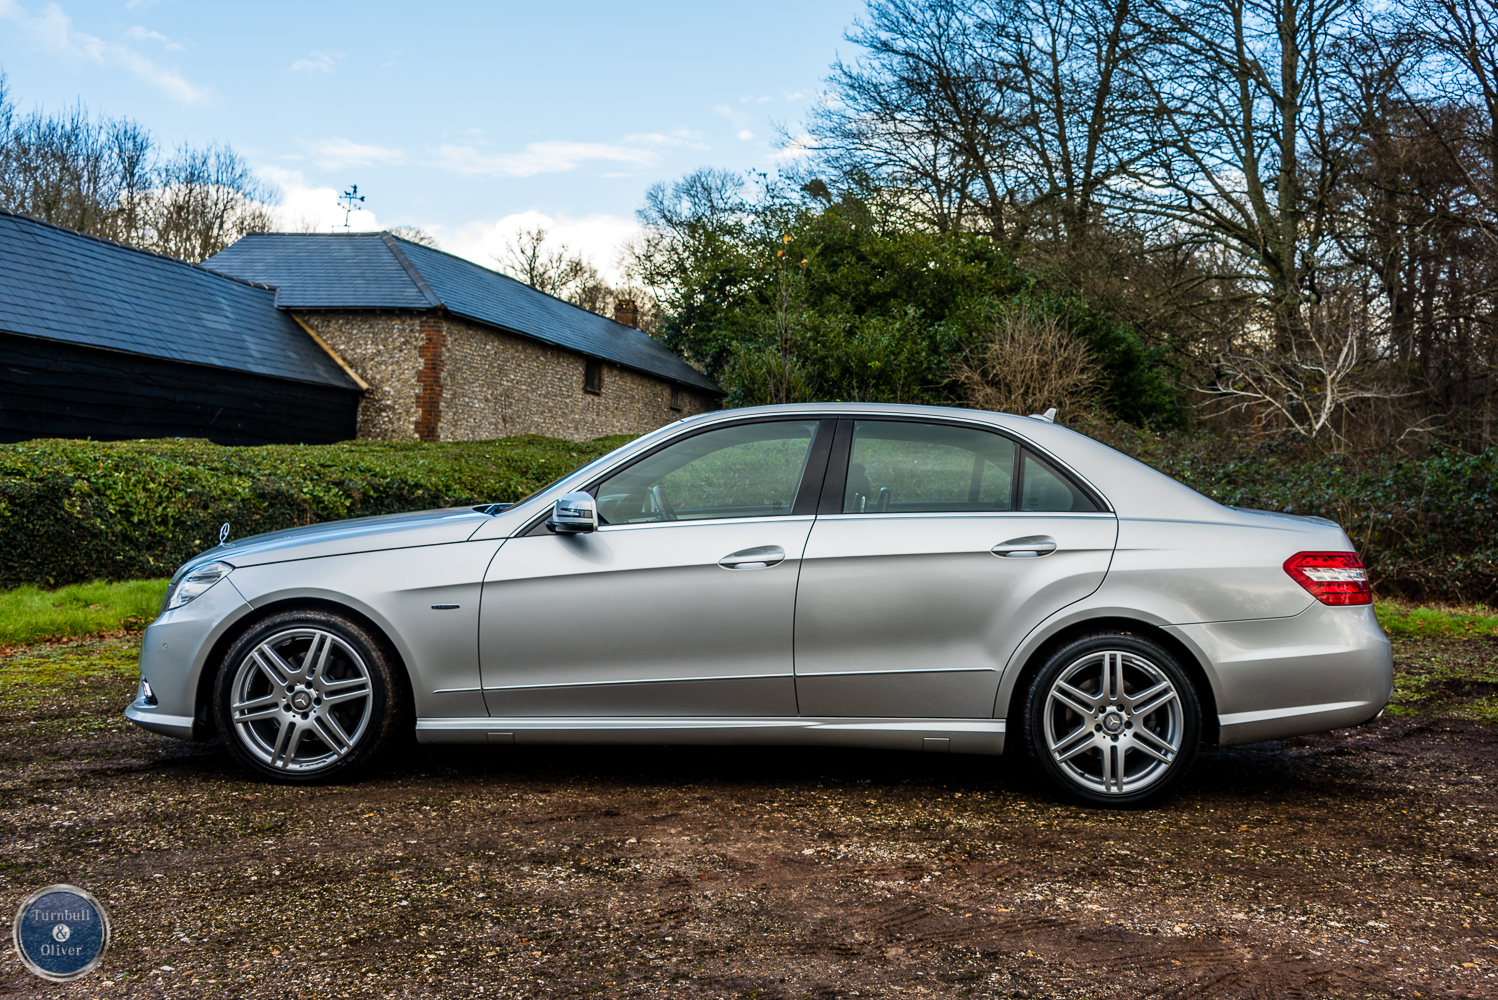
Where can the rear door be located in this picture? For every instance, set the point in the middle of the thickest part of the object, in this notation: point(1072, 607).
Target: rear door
point(937, 547)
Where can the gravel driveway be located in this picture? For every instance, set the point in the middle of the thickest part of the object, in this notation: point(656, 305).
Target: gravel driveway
point(1359, 864)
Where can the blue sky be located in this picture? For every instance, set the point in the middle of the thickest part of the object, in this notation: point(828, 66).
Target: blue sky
point(468, 119)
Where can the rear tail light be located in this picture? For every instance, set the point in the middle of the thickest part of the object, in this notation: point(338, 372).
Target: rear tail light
point(1331, 577)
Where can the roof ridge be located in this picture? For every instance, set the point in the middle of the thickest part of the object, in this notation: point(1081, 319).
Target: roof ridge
point(393, 243)
point(131, 247)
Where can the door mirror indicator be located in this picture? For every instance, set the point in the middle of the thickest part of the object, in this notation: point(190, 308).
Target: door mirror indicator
point(574, 513)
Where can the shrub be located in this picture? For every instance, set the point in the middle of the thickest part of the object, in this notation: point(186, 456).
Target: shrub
point(72, 511)
point(1427, 528)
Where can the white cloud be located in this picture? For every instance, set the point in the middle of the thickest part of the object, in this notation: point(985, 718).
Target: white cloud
point(304, 207)
point(134, 5)
point(559, 156)
point(52, 30)
point(599, 238)
point(146, 35)
point(796, 148)
point(337, 153)
point(317, 62)
point(795, 95)
point(745, 134)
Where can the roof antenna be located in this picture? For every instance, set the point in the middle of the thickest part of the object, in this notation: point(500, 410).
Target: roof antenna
point(1049, 416)
point(350, 201)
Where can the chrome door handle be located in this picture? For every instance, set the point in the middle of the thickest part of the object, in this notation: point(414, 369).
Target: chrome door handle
point(1029, 547)
point(759, 557)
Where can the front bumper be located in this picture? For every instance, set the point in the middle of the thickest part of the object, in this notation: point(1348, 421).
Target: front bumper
point(1325, 668)
point(174, 651)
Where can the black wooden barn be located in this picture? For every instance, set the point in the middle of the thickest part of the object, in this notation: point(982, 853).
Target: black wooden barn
point(105, 341)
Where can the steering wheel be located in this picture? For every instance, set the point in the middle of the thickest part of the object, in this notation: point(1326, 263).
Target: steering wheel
point(662, 504)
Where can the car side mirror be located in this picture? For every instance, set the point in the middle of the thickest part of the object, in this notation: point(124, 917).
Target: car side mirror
point(573, 514)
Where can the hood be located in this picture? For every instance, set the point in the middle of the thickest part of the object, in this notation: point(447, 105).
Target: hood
point(336, 538)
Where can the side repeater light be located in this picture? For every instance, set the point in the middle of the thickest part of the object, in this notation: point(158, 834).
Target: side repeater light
point(1336, 578)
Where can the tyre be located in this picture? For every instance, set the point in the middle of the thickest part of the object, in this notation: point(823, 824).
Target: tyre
point(1112, 719)
point(306, 697)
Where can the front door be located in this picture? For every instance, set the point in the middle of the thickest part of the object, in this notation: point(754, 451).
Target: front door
point(944, 547)
point(682, 602)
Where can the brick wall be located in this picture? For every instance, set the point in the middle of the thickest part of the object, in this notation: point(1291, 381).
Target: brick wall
point(444, 378)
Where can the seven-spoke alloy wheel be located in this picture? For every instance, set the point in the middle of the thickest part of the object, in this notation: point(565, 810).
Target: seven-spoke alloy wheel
point(1113, 719)
point(305, 696)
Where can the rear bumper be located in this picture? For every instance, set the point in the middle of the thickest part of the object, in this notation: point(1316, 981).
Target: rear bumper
point(1325, 668)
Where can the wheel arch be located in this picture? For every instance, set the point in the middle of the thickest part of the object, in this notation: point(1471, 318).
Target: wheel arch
point(202, 724)
point(1089, 626)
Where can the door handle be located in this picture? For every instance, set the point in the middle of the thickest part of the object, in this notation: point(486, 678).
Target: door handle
point(759, 557)
point(1029, 547)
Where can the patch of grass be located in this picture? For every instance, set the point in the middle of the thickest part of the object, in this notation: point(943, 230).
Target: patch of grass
point(29, 614)
point(1452, 674)
point(1404, 619)
point(95, 676)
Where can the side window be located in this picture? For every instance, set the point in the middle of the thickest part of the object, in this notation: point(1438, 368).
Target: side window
point(752, 470)
point(1043, 489)
point(904, 467)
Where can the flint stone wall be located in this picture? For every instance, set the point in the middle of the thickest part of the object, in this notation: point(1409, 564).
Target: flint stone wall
point(436, 377)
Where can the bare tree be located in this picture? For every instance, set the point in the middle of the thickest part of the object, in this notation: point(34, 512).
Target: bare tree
point(106, 177)
point(204, 200)
point(1009, 116)
point(1029, 364)
point(570, 276)
point(1330, 367)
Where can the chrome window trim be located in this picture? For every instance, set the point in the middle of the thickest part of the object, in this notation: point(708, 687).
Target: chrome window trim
point(878, 515)
point(684, 522)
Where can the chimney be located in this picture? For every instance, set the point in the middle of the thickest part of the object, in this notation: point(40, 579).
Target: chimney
point(626, 313)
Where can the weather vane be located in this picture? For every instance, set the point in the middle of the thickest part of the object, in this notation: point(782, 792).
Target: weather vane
point(350, 201)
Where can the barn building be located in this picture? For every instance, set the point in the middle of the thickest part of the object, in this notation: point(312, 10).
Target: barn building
point(452, 351)
point(102, 340)
point(310, 338)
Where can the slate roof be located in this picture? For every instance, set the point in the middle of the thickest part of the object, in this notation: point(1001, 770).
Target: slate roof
point(58, 284)
point(381, 271)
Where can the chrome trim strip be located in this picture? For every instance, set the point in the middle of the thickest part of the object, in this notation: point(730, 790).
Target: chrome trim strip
point(881, 673)
point(1240, 718)
point(631, 680)
point(997, 514)
point(456, 690)
point(977, 736)
point(772, 519)
point(687, 724)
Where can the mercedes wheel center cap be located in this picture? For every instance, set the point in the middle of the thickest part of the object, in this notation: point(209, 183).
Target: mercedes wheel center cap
point(61, 933)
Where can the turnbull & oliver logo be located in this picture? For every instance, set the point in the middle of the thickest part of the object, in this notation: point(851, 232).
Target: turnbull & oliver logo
point(61, 933)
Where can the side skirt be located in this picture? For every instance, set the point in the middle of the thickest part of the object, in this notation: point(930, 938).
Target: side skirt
point(983, 736)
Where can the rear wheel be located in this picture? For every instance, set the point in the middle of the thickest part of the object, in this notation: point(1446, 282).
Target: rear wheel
point(1112, 719)
point(307, 696)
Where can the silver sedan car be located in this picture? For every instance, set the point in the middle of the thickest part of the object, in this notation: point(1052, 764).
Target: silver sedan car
point(864, 575)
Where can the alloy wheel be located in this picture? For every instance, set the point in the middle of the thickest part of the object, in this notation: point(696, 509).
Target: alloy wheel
point(301, 700)
point(1113, 722)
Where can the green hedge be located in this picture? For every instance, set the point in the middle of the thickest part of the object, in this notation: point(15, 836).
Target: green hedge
point(72, 511)
point(1427, 528)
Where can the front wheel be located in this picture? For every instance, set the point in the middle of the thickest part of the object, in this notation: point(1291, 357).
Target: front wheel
point(1112, 719)
point(306, 696)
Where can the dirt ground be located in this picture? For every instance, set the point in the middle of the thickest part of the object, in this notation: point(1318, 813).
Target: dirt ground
point(1355, 864)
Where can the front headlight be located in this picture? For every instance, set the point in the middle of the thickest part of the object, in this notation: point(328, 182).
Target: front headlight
point(194, 583)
